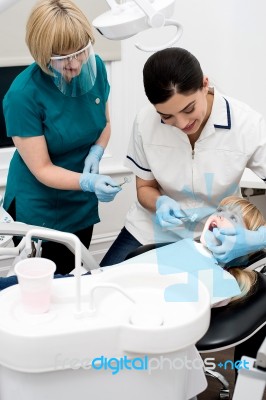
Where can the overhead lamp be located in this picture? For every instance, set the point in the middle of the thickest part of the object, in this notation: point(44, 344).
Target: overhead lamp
point(131, 17)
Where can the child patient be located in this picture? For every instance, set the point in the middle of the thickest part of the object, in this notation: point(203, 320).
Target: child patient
point(232, 212)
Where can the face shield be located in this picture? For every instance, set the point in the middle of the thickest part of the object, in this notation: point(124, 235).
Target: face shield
point(74, 74)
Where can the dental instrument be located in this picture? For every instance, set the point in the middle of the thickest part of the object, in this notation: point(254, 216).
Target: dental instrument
point(193, 218)
point(127, 179)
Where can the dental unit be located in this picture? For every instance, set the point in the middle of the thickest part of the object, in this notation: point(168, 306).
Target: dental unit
point(116, 313)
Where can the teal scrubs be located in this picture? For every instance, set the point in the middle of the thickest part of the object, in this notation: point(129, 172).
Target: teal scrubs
point(33, 106)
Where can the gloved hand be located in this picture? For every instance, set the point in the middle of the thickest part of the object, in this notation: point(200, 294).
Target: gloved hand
point(236, 242)
point(168, 212)
point(93, 159)
point(103, 186)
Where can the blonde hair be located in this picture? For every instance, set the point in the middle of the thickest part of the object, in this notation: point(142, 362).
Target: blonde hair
point(56, 27)
point(252, 219)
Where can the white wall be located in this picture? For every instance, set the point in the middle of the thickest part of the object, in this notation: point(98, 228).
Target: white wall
point(13, 23)
point(228, 37)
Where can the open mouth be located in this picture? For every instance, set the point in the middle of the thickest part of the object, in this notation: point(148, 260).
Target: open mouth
point(212, 226)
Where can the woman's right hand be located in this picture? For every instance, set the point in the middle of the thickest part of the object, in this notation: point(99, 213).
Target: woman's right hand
point(168, 212)
point(103, 186)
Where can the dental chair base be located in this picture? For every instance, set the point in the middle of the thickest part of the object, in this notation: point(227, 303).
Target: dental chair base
point(250, 382)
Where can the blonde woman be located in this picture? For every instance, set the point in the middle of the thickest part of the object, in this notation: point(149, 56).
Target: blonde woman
point(56, 112)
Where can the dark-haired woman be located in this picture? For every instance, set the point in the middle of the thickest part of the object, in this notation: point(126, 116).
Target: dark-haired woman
point(188, 150)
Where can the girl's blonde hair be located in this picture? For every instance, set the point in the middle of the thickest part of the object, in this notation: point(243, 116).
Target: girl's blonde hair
point(252, 219)
point(56, 27)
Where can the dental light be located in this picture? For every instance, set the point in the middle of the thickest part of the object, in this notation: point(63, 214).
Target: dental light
point(131, 17)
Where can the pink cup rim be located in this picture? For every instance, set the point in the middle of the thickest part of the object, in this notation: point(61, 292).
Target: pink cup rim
point(30, 260)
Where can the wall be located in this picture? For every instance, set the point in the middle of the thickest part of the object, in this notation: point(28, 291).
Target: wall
point(228, 38)
point(14, 50)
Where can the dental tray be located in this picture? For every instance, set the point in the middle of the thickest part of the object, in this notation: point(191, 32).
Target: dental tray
point(125, 302)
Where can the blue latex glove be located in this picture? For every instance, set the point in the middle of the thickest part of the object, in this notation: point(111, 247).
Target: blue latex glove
point(168, 212)
point(236, 242)
point(93, 159)
point(103, 186)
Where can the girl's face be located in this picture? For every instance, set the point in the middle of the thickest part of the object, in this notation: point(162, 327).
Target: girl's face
point(188, 113)
point(224, 217)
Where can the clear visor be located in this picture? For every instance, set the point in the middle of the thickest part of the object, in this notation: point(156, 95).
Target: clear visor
point(74, 74)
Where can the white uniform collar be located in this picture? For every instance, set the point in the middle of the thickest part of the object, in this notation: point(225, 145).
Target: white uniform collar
point(220, 115)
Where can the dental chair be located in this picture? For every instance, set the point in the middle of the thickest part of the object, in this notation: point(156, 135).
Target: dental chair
point(232, 324)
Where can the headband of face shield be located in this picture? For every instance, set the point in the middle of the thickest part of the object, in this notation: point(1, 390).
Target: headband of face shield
point(74, 74)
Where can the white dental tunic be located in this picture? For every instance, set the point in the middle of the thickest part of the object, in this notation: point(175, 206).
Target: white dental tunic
point(233, 138)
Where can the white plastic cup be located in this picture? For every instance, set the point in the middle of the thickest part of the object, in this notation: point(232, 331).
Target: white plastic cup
point(35, 277)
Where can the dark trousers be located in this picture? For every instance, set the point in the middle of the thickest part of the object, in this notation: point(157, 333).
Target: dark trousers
point(122, 246)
